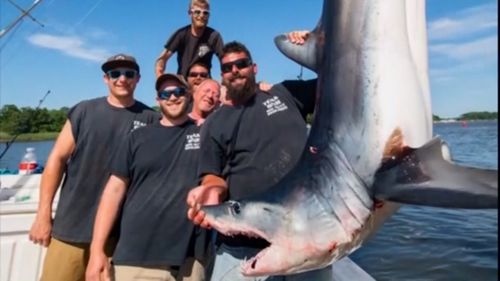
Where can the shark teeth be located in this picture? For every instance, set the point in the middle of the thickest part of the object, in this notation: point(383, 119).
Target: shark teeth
point(244, 233)
point(249, 265)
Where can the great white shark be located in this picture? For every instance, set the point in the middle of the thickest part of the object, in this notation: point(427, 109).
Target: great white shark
point(370, 147)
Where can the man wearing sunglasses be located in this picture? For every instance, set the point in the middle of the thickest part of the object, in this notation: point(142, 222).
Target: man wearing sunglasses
point(197, 73)
point(194, 42)
point(151, 174)
point(81, 154)
point(247, 147)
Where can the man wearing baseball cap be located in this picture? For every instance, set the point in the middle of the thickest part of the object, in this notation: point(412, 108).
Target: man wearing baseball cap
point(151, 174)
point(82, 153)
point(120, 60)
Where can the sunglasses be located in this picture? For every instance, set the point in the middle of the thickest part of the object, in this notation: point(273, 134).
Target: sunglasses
point(198, 74)
point(177, 92)
point(198, 12)
point(116, 73)
point(240, 64)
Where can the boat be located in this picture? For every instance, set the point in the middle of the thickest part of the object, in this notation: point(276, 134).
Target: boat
point(21, 260)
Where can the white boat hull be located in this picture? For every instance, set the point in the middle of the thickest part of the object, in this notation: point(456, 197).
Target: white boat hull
point(20, 259)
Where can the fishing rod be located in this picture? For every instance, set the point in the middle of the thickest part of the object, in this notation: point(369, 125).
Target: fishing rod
point(13, 139)
point(25, 13)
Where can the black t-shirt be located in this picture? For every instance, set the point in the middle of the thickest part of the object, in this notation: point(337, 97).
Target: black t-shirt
point(190, 48)
point(269, 140)
point(97, 128)
point(265, 146)
point(160, 163)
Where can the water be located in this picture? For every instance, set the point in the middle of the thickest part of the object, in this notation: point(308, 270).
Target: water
point(425, 243)
point(16, 152)
point(417, 243)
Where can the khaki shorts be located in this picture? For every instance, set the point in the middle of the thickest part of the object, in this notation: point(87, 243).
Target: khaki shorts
point(191, 270)
point(67, 261)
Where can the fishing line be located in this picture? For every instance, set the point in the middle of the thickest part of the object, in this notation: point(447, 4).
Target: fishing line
point(13, 139)
point(301, 72)
point(88, 13)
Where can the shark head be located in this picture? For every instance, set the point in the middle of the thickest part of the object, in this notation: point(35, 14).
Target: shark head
point(309, 238)
point(283, 230)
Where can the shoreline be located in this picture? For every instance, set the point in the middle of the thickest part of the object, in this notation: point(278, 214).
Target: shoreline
point(47, 136)
point(452, 120)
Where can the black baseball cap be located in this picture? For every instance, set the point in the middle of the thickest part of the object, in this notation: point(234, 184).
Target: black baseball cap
point(120, 60)
point(170, 76)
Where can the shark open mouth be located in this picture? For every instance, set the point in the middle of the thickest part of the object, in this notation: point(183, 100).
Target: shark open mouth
point(250, 237)
point(267, 260)
point(251, 264)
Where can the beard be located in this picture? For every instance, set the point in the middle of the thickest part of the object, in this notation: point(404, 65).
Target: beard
point(241, 93)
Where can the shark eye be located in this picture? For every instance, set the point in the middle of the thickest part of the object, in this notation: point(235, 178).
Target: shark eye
point(235, 208)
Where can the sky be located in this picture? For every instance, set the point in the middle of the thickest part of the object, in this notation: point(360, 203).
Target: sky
point(65, 54)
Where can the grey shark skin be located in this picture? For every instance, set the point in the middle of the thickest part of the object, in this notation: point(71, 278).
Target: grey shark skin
point(369, 149)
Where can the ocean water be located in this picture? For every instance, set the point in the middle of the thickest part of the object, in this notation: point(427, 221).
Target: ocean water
point(10, 161)
point(425, 243)
point(417, 243)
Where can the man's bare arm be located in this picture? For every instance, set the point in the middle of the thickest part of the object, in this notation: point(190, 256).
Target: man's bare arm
point(161, 62)
point(51, 179)
point(107, 212)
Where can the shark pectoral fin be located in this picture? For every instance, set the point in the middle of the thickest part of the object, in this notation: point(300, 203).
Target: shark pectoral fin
point(425, 177)
point(305, 55)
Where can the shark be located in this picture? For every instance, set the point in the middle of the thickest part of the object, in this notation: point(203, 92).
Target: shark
point(370, 148)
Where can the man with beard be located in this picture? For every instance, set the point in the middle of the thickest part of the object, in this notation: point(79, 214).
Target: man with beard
point(151, 174)
point(194, 42)
point(246, 149)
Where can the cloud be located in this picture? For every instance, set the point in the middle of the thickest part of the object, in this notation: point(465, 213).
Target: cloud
point(449, 61)
point(466, 22)
point(69, 45)
point(482, 48)
point(464, 44)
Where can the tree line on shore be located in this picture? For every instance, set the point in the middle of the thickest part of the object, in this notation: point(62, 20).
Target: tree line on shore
point(25, 120)
point(14, 120)
point(475, 115)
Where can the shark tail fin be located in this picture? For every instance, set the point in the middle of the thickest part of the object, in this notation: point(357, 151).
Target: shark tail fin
point(425, 177)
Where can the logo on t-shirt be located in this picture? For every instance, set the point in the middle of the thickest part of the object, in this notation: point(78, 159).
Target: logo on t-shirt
point(274, 105)
point(203, 50)
point(137, 124)
point(192, 142)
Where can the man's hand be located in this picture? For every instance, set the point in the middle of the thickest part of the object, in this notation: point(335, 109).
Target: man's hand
point(40, 231)
point(264, 86)
point(298, 37)
point(98, 268)
point(161, 62)
point(200, 196)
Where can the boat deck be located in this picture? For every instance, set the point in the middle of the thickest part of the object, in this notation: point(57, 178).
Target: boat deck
point(21, 260)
